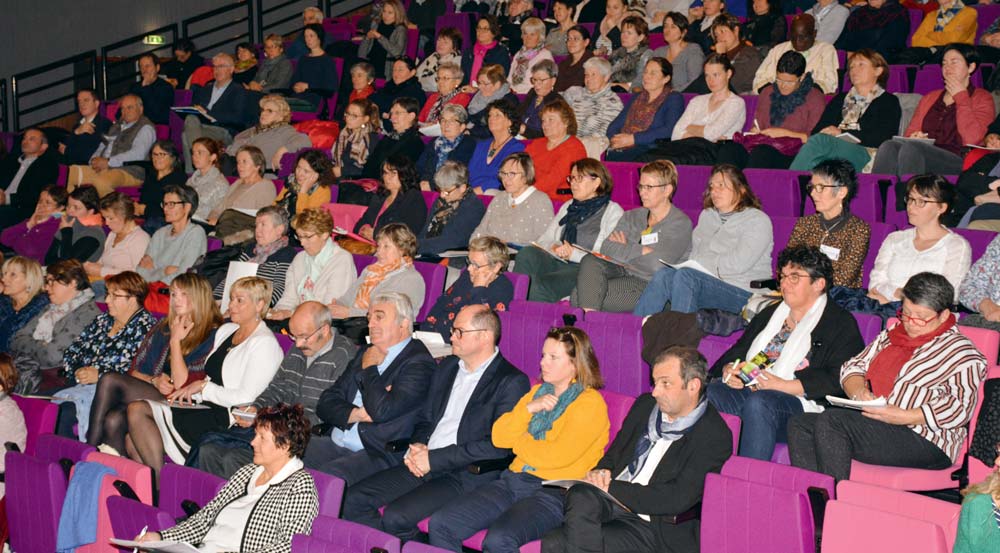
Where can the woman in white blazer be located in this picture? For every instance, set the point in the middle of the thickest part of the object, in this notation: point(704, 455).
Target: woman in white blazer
point(243, 361)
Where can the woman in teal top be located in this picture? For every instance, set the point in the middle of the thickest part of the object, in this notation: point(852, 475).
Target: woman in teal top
point(979, 527)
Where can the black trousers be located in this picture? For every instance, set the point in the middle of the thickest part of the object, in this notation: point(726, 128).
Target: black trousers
point(408, 499)
point(827, 442)
point(594, 524)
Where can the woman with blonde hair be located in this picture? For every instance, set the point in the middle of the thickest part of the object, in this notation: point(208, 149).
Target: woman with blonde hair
point(979, 525)
point(531, 54)
point(273, 134)
point(558, 430)
point(243, 360)
point(171, 355)
point(387, 38)
point(21, 299)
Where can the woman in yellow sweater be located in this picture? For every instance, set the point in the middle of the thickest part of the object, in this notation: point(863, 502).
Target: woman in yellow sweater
point(558, 430)
point(309, 186)
point(952, 22)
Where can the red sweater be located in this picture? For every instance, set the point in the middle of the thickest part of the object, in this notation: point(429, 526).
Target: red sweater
point(461, 99)
point(552, 166)
point(974, 114)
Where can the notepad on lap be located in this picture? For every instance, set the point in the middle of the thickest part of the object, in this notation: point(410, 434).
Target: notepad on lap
point(853, 404)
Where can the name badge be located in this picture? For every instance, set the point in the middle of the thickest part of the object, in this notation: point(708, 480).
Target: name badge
point(830, 251)
point(650, 239)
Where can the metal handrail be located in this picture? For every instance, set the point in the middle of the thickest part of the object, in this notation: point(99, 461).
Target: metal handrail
point(20, 90)
point(265, 28)
point(3, 106)
point(107, 83)
point(242, 6)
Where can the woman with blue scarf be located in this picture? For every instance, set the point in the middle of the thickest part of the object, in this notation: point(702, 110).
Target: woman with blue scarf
point(580, 227)
point(558, 430)
point(454, 144)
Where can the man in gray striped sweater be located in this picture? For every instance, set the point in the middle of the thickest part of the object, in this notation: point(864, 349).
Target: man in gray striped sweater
point(319, 357)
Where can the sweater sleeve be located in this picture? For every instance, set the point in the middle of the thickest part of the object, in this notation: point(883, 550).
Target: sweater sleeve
point(730, 119)
point(962, 29)
point(395, 45)
point(917, 121)
point(693, 110)
point(974, 113)
point(612, 214)
point(756, 240)
point(664, 122)
point(957, 261)
point(266, 355)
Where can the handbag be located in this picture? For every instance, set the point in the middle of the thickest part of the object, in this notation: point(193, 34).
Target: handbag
point(786, 145)
point(987, 435)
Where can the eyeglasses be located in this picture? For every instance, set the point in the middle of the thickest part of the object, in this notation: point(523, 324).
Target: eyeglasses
point(576, 179)
point(915, 321)
point(649, 187)
point(50, 281)
point(166, 204)
point(508, 174)
point(920, 202)
point(792, 278)
point(440, 78)
point(304, 237)
point(536, 80)
point(159, 154)
point(810, 187)
point(298, 339)
point(455, 331)
point(120, 296)
point(449, 120)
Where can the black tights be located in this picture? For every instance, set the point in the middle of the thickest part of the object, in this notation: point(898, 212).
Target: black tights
point(108, 417)
point(145, 445)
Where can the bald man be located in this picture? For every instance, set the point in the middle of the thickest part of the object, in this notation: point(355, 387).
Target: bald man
point(821, 57)
point(319, 357)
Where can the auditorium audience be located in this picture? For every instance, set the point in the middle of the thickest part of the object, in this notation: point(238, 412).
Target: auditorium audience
point(246, 63)
point(786, 112)
point(454, 145)
point(80, 235)
point(927, 371)
point(447, 49)
point(397, 200)
point(269, 249)
point(840, 235)
point(176, 247)
point(454, 214)
point(275, 72)
point(556, 37)
point(23, 177)
point(322, 272)
point(490, 153)
point(848, 129)
point(171, 355)
point(492, 87)
point(357, 139)
point(129, 139)
point(468, 392)
point(386, 39)
point(316, 77)
point(126, 242)
point(522, 66)
point(32, 237)
point(656, 466)
point(392, 271)
point(298, 48)
point(402, 138)
point(166, 170)
point(241, 364)
point(542, 93)
point(273, 133)
point(403, 83)
point(362, 82)
point(686, 58)
point(251, 190)
point(377, 399)
point(733, 240)
point(222, 108)
point(880, 25)
point(41, 342)
point(519, 213)
point(107, 345)
point(309, 185)
point(570, 71)
point(265, 503)
point(797, 344)
point(953, 117)
point(648, 117)
point(629, 60)
point(206, 179)
point(79, 144)
point(581, 225)
point(821, 57)
point(765, 25)
point(556, 150)
point(156, 94)
point(449, 76)
point(595, 106)
point(423, 15)
point(633, 252)
point(557, 430)
point(487, 49)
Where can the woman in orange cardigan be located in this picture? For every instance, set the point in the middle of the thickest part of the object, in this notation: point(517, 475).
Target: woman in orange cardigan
point(558, 430)
point(952, 117)
point(554, 153)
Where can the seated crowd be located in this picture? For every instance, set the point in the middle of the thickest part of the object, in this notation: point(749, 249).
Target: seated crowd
point(153, 278)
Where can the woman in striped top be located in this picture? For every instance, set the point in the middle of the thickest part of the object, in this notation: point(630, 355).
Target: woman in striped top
point(269, 249)
point(928, 373)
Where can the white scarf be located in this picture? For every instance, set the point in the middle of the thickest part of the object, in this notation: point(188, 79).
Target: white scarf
point(798, 345)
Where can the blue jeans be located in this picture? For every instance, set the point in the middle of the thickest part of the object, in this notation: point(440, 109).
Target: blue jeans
point(764, 413)
point(515, 508)
point(689, 290)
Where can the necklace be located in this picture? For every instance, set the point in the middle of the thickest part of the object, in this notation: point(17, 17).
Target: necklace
point(494, 148)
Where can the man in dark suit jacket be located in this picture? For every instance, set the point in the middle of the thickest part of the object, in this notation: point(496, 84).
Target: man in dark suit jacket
point(469, 392)
point(222, 99)
point(377, 399)
point(81, 143)
point(656, 467)
point(23, 177)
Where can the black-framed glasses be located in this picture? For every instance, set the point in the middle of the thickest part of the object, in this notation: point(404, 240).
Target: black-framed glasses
point(793, 278)
point(810, 187)
point(648, 187)
point(455, 331)
point(165, 204)
point(920, 202)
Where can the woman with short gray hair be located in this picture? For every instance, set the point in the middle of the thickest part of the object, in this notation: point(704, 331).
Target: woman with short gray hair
point(454, 144)
point(541, 94)
point(454, 215)
point(449, 77)
point(595, 105)
point(533, 52)
point(269, 249)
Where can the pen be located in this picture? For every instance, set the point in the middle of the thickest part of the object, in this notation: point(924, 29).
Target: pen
point(725, 379)
point(139, 537)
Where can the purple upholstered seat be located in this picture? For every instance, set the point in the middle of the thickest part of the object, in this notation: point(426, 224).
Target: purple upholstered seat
point(39, 418)
point(330, 490)
point(778, 190)
point(617, 342)
point(129, 517)
point(779, 476)
point(625, 175)
point(35, 490)
point(618, 407)
point(361, 261)
point(781, 229)
point(460, 21)
point(52, 448)
point(691, 183)
point(979, 240)
point(735, 425)
point(333, 534)
point(867, 204)
point(522, 337)
point(879, 231)
point(179, 483)
point(520, 283)
point(434, 277)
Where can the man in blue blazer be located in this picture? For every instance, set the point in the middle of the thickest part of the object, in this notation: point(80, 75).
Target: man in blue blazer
point(469, 392)
point(223, 104)
point(378, 397)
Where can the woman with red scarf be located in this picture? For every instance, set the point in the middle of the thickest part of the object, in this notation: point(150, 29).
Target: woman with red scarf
point(927, 372)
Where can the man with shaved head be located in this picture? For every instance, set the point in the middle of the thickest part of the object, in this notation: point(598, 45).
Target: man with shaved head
point(821, 57)
point(319, 357)
point(22, 177)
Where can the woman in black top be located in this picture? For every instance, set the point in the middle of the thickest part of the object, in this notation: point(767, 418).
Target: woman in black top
point(403, 138)
point(397, 200)
point(166, 170)
point(765, 24)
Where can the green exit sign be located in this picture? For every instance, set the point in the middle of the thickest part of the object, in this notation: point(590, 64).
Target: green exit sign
point(153, 39)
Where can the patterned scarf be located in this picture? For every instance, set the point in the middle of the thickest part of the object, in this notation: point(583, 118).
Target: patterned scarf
point(358, 140)
point(443, 213)
point(261, 253)
point(480, 100)
point(314, 267)
point(521, 62)
point(855, 105)
point(640, 115)
point(55, 313)
point(443, 147)
point(375, 274)
point(782, 106)
point(578, 212)
point(243, 65)
point(541, 422)
point(258, 129)
point(886, 364)
point(659, 429)
point(944, 16)
point(435, 113)
point(625, 64)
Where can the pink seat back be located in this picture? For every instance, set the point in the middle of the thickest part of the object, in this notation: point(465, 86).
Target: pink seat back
point(434, 277)
point(285, 341)
point(521, 339)
point(869, 325)
point(555, 311)
point(780, 476)
point(849, 528)
point(429, 198)
point(460, 21)
point(942, 513)
point(63, 177)
point(979, 240)
point(35, 490)
point(781, 229)
point(520, 283)
point(625, 176)
point(750, 101)
point(738, 516)
point(486, 199)
point(351, 536)
point(879, 232)
point(39, 418)
point(345, 216)
point(713, 347)
point(361, 261)
point(778, 190)
point(137, 476)
point(735, 425)
point(618, 408)
point(53, 448)
point(179, 484)
point(617, 342)
point(691, 183)
point(130, 517)
point(330, 491)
